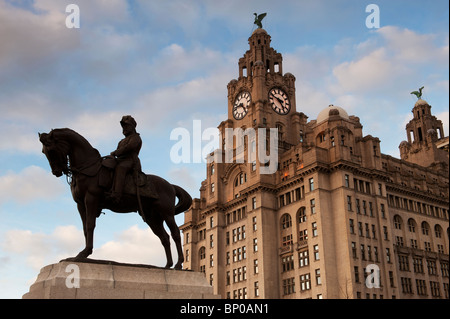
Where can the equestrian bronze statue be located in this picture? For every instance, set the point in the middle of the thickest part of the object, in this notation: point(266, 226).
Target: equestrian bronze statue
point(95, 185)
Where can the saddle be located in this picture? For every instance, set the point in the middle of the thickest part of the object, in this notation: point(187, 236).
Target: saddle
point(106, 178)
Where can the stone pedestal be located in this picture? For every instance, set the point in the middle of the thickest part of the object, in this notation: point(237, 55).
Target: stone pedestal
point(111, 280)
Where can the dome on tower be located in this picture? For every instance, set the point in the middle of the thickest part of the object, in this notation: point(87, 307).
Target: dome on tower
point(259, 30)
point(331, 110)
point(421, 102)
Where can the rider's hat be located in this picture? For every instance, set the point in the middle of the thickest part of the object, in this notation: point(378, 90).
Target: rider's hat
point(128, 119)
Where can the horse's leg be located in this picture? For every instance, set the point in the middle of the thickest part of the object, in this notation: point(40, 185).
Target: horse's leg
point(82, 212)
point(175, 232)
point(156, 225)
point(91, 210)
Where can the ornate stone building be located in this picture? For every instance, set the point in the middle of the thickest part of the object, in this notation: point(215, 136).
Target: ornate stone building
point(335, 208)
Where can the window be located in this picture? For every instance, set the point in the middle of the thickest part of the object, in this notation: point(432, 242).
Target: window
point(356, 273)
point(256, 288)
point(303, 259)
point(418, 265)
point(288, 286)
point(202, 253)
point(253, 202)
point(301, 215)
point(421, 287)
point(354, 250)
point(287, 263)
point(316, 252)
point(255, 244)
point(313, 206)
point(311, 184)
point(254, 223)
point(212, 169)
point(346, 180)
point(407, 286)
point(411, 225)
point(212, 187)
point(287, 240)
point(349, 203)
point(403, 262)
point(305, 282)
point(314, 229)
point(352, 226)
point(255, 266)
point(286, 221)
point(397, 222)
point(425, 228)
point(318, 279)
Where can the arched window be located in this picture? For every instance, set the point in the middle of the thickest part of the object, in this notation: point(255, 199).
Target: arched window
point(412, 225)
point(202, 253)
point(301, 215)
point(397, 222)
point(240, 179)
point(438, 231)
point(425, 228)
point(286, 221)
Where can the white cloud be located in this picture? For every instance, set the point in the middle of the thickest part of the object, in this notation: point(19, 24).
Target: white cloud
point(32, 183)
point(368, 73)
point(411, 47)
point(41, 249)
point(135, 245)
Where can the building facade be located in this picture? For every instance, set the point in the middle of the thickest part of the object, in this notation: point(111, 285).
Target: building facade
point(338, 219)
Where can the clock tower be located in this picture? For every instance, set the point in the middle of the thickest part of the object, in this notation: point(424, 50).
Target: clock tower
point(262, 96)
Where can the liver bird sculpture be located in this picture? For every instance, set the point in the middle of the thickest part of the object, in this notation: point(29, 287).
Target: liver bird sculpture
point(418, 94)
point(258, 19)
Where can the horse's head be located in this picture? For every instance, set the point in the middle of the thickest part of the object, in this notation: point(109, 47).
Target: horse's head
point(56, 153)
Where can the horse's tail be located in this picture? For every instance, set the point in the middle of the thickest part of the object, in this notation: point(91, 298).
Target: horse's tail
point(184, 200)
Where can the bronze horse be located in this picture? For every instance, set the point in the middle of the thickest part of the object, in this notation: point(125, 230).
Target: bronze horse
point(71, 154)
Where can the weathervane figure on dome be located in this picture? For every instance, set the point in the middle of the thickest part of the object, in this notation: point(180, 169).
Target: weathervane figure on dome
point(258, 19)
point(418, 94)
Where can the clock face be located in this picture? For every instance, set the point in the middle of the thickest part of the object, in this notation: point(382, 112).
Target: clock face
point(241, 104)
point(279, 101)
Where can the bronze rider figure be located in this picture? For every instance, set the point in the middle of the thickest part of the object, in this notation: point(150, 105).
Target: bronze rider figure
point(127, 153)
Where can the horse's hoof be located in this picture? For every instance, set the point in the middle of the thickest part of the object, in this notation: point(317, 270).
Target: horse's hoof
point(178, 267)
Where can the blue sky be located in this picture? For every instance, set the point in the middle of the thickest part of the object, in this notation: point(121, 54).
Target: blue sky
point(168, 63)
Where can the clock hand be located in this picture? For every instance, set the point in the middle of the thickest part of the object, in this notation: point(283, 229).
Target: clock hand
point(278, 99)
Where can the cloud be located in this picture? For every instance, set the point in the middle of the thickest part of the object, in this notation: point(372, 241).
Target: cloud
point(135, 245)
point(28, 37)
point(40, 248)
point(32, 183)
point(411, 47)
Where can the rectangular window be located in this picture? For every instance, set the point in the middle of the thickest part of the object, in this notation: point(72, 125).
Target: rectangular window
point(346, 180)
point(349, 203)
point(313, 206)
point(316, 252)
point(311, 184)
point(305, 282)
point(314, 229)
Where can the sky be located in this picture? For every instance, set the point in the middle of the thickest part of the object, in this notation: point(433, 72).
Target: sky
point(168, 63)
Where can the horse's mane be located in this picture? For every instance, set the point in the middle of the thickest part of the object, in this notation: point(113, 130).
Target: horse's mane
point(72, 137)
